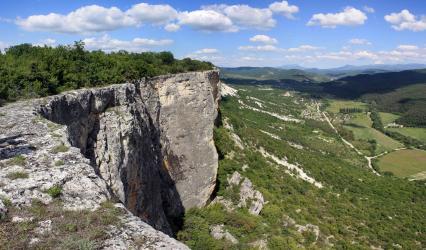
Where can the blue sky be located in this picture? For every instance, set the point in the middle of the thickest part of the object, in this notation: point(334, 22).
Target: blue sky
point(230, 33)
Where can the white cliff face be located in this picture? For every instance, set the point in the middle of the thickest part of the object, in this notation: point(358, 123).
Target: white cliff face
point(188, 108)
point(149, 144)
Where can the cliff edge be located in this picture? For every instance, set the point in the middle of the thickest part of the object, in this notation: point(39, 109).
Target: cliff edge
point(148, 145)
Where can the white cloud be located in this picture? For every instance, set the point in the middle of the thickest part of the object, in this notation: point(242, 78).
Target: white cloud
point(359, 41)
point(109, 44)
point(3, 46)
point(86, 19)
point(220, 17)
point(95, 18)
point(207, 20)
point(369, 9)
point(155, 14)
point(47, 42)
point(264, 48)
point(263, 39)
point(303, 48)
point(207, 51)
point(284, 9)
point(407, 47)
point(245, 16)
point(404, 20)
point(348, 17)
point(172, 27)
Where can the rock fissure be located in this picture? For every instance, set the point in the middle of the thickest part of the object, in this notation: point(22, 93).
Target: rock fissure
point(151, 142)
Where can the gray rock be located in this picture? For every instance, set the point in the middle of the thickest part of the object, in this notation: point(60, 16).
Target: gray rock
point(3, 210)
point(309, 228)
point(247, 193)
point(260, 244)
point(187, 107)
point(135, 234)
point(44, 227)
point(150, 144)
point(218, 232)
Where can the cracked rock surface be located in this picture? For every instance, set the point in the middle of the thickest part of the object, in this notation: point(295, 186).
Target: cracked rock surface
point(149, 145)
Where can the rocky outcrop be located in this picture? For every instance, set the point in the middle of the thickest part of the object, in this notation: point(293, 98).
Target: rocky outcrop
point(185, 108)
point(148, 144)
point(219, 232)
point(249, 197)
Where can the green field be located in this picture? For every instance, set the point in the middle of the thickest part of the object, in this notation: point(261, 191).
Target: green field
point(360, 125)
point(336, 105)
point(388, 117)
point(404, 163)
point(416, 133)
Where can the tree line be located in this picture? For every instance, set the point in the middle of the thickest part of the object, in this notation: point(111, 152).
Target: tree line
point(28, 71)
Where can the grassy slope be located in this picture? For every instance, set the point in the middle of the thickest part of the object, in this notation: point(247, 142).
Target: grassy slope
point(363, 130)
point(404, 163)
point(416, 133)
point(354, 206)
point(388, 117)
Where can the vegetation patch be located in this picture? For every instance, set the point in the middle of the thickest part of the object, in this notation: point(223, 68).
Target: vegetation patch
point(353, 206)
point(404, 163)
point(32, 71)
point(19, 160)
point(59, 163)
point(54, 191)
point(70, 229)
point(59, 149)
point(17, 175)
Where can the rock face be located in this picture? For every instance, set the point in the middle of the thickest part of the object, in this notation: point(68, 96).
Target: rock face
point(149, 144)
point(249, 197)
point(186, 107)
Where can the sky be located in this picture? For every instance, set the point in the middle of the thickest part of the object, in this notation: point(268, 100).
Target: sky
point(309, 33)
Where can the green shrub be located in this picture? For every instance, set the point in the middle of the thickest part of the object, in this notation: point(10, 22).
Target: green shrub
point(19, 160)
point(59, 163)
point(17, 175)
point(59, 149)
point(54, 191)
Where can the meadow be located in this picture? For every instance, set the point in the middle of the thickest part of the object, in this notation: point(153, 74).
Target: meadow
point(404, 163)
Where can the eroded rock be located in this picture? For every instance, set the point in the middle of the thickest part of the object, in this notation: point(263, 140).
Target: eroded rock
point(218, 232)
point(149, 144)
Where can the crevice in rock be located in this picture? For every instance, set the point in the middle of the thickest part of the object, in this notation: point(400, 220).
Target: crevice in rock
point(117, 134)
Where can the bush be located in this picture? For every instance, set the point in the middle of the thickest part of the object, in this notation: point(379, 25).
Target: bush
point(17, 175)
point(19, 160)
point(59, 149)
point(54, 191)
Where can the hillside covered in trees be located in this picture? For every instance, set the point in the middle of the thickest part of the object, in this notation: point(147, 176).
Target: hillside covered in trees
point(28, 71)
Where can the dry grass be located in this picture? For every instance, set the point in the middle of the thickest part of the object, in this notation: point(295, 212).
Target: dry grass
point(70, 229)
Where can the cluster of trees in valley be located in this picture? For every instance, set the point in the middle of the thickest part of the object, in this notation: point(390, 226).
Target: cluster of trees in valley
point(28, 71)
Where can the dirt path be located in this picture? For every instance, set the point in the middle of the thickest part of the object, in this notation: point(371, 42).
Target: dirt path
point(368, 158)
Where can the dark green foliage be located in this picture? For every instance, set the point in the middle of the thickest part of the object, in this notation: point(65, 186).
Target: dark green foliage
point(28, 71)
point(408, 101)
point(377, 121)
point(350, 110)
point(407, 141)
point(356, 86)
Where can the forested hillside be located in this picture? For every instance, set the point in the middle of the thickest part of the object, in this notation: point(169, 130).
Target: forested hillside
point(356, 86)
point(269, 73)
point(28, 71)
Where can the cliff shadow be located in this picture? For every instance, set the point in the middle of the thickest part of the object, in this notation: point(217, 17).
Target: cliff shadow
point(123, 145)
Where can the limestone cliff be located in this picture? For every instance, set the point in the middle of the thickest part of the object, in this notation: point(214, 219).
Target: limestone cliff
point(149, 144)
